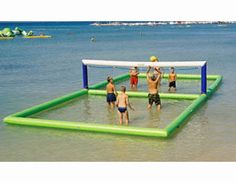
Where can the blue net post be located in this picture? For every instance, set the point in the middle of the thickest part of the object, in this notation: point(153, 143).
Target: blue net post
point(85, 76)
point(204, 79)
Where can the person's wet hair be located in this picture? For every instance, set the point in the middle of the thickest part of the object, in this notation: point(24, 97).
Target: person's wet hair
point(123, 88)
point(109, 78)
point(153, 77)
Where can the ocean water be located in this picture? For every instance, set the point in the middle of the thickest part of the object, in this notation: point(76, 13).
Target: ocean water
point(38, 70)
point(85, 109)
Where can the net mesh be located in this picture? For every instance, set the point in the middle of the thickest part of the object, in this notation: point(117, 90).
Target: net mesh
point(99, 70)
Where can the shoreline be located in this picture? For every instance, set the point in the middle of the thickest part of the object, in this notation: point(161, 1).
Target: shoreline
point(157, 23)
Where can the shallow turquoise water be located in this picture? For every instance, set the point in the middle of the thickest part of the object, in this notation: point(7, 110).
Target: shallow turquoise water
point(35, 71)
point(94, 109)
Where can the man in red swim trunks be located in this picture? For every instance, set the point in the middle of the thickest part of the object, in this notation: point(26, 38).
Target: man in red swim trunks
point(134, 77)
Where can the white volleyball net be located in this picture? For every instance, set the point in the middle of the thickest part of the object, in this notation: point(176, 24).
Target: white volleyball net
point(140, 64)
point(112, 67)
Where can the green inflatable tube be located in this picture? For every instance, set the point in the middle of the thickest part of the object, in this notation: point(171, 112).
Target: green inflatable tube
point(185, 76)
point(19, 118)
point(62, 99)
point(104, 83)
point(145, 94)
point(114, 129)
point(193, 107)
point(211, 89)
point(49, 104)
point(185, 114)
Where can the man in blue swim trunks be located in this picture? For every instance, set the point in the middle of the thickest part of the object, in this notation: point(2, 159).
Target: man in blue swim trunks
point(122, 103)
point(111, 92)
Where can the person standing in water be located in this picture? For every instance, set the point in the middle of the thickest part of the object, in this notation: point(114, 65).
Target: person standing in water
point(122, 103)
point(172, 79)
point(153, 88)
point(134, 77)
point(111, 92)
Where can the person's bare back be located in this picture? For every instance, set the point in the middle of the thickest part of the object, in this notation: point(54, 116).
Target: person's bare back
point(122, 100)
point(122, 103)
point(111, 92)
point(110, 88)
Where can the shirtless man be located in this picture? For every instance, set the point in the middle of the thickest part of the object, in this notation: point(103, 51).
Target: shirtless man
point(122, 103)
point(153, 87)
point(111, 92)
point(134, 77)
point(172, 79)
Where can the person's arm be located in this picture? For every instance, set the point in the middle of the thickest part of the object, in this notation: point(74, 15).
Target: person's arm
point(158, 78)
point(169, 78)
point(148, 72)
point(117, 102)
point(114, 89)
point(128, 104)
point(175, 77)
point(158, 70)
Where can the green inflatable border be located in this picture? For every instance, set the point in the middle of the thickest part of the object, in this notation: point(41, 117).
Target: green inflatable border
point(23, 117)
